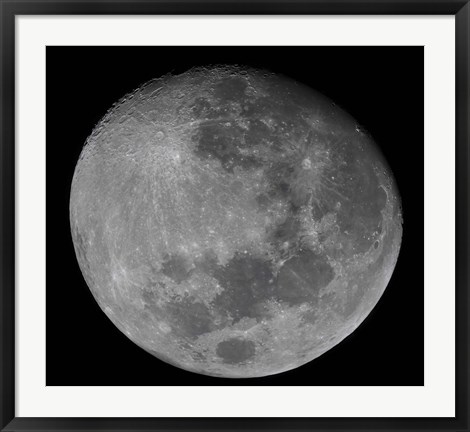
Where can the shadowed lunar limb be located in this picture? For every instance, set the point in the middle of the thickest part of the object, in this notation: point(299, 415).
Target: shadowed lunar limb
point(233, 222)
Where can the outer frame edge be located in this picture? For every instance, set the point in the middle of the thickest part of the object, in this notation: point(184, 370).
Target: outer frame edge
point(7, 214)
point(462, 71)
point(8, 12)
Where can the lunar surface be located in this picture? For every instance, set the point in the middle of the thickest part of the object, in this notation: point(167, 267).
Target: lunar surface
point(233, 222)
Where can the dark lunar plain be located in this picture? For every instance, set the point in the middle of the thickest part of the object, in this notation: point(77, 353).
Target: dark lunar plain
point(382, 88)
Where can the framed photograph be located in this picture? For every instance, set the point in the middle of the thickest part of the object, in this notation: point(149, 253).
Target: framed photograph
point(234, 216)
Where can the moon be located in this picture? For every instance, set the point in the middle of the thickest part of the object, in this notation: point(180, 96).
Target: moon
point(234, 222)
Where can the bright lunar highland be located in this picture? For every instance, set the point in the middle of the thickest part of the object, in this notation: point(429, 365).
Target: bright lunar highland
point(234, 222)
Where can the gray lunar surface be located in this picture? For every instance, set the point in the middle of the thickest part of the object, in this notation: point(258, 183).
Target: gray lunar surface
point(233, 222)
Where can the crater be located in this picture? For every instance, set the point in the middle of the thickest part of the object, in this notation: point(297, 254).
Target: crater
point(80, 242)
point(188, 318)
point(310, 316)
point(306, 164)
point(176, 268)
point(247, 281)
point(258, 133)
point(201, 108)
point(301, 278)
point(81, 250)
point(208, 263)
point(360, 217)
point(231, 89)
point(263, 201)
point(235, 350)
point(286, 231)
point(223, 142)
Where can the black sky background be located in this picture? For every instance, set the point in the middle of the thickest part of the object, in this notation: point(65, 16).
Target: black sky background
point(382, 87)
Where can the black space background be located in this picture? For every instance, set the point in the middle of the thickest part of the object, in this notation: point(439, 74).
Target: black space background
point(382, 87)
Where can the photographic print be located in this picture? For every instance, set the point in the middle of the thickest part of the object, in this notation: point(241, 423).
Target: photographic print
point(234, 215)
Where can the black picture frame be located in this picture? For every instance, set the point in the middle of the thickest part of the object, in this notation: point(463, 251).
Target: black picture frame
point(10, 9)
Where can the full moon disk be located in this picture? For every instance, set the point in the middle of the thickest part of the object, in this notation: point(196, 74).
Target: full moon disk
point(233, 222)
